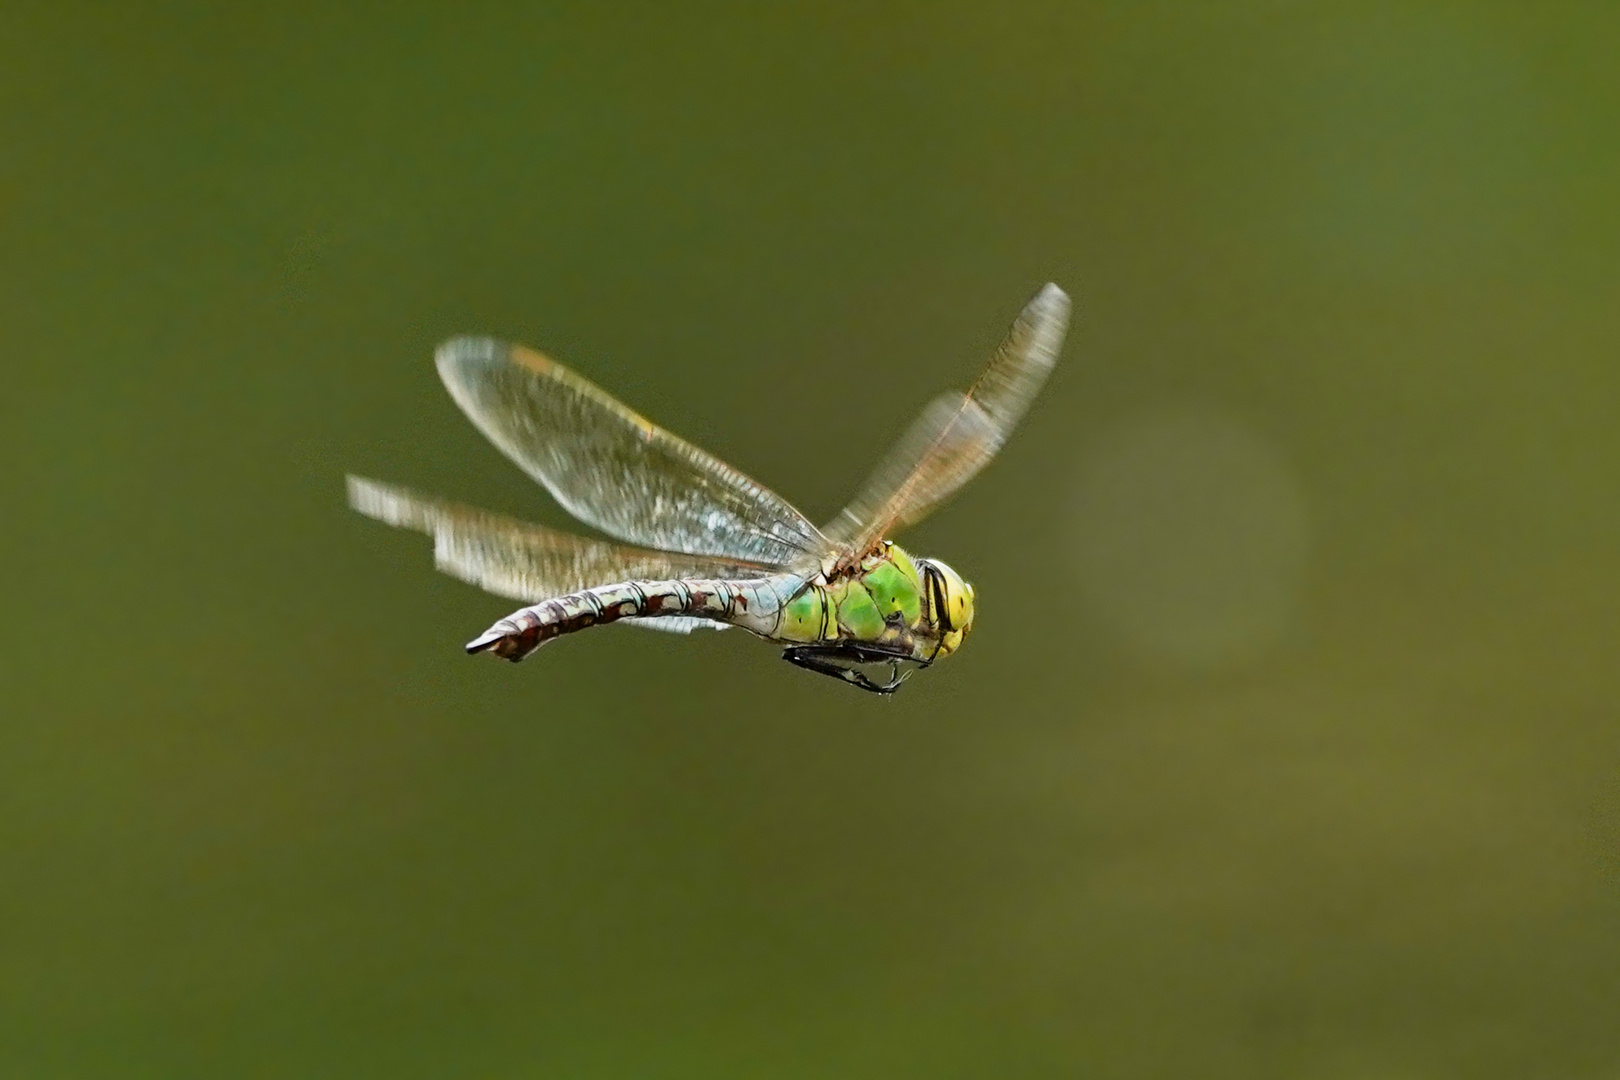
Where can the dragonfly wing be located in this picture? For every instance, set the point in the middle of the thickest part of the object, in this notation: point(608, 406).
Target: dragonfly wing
point(523, 561)
point(959, 433)
point(944, 447)
point(616, 470)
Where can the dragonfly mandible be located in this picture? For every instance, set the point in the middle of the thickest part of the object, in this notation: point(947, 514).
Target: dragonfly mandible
point(703, 545)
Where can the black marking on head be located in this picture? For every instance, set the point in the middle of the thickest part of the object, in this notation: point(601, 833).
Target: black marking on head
point(936, 590)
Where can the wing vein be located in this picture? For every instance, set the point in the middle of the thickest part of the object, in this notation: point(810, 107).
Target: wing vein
point(613, 468)
point(523, 561)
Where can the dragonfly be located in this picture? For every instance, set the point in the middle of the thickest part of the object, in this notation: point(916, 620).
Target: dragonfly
point(697, 543)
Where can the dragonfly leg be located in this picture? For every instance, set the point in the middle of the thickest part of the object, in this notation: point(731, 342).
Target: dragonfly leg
point(838, 663)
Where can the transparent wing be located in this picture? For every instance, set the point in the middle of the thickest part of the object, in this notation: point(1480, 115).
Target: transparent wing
point(616, 470)
point(959, 433)
point(946, 445)
point(526, 562)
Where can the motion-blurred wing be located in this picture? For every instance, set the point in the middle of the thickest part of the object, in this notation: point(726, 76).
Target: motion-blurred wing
point(957, 434)
point(616, 470)
point(527, 562)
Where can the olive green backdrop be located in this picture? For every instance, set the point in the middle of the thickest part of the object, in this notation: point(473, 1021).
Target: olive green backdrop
point(1287, 741)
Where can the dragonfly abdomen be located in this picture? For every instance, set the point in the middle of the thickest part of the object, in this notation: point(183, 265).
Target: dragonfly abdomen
point(753, 605)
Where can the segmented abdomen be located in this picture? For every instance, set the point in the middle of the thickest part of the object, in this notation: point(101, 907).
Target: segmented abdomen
point(750, 604)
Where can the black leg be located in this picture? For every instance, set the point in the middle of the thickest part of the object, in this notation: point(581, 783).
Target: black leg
point(836, 661)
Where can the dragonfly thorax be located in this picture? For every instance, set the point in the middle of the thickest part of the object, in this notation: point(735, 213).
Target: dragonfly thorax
point(888, 604)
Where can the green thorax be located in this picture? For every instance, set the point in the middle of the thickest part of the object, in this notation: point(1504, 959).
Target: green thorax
point(879, 601)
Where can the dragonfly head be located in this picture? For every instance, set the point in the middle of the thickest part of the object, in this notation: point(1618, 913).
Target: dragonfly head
point(950, 603)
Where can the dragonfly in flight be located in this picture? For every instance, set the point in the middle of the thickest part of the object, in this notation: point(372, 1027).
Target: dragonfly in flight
point(701, 544)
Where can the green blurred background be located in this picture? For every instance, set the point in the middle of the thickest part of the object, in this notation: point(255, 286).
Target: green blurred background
point(1287, 744)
